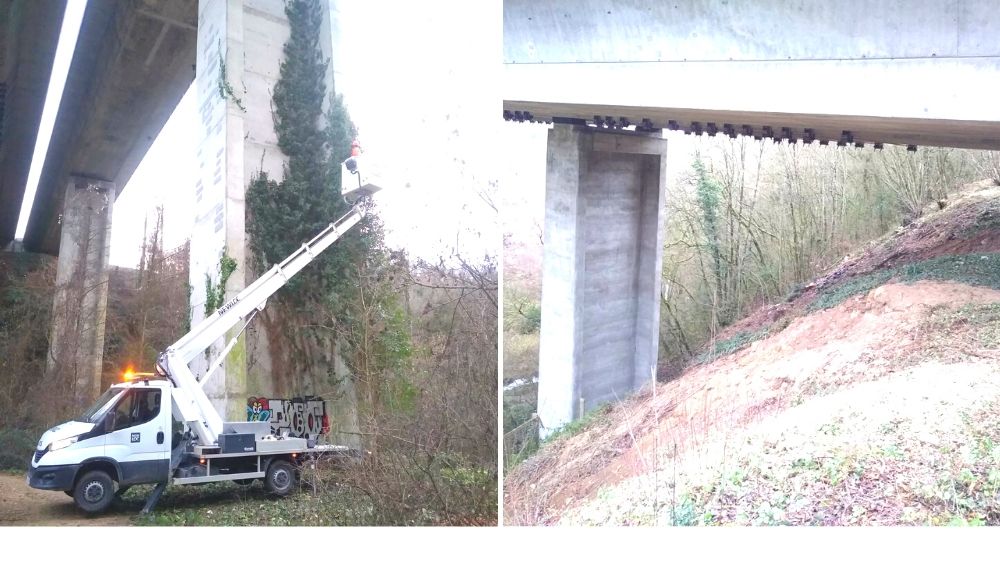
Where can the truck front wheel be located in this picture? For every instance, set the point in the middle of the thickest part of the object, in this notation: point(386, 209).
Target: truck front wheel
point(94, 491)
point(280, 478)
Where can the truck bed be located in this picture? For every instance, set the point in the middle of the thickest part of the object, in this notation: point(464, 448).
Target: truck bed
point(293, 447)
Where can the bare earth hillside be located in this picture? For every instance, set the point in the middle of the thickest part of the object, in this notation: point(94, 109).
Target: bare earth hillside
point(868, 397)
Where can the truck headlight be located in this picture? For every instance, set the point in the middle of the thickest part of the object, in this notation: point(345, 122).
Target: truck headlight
point(63, 443)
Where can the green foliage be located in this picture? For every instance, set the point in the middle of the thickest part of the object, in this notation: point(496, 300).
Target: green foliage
point(843, 291)
point(709, 193)
point(685, 513)
point(579, 425)
point(299, 95)
point(16, 447)
point(968, 492)
point(795, 292)
point(520, 431)
point(374, 327)
point(522, 312)
point(225, 88)
point(466, 481)
point(187, 319)
point(353, 292)
point(281, 216)
point(402, 395)
point(470, 490)
point(394, 341)
point(515, 457)
point(520, 437)
point(520, 355)
point(428, 488)
point(988, 317)
point(528, 319)
point(215, 294)
point(26, 286)
point(466, 476)
point(515, 414)
point(969, 269)
point(724, 347)
point(988, 219)
point(532, 318)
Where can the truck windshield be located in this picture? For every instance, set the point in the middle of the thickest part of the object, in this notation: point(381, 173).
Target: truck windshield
point(95, 412)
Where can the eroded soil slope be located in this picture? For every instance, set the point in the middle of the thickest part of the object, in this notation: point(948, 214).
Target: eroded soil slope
point(923, 352)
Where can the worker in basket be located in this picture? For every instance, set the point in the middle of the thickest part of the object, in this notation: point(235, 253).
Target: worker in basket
point(351, 163)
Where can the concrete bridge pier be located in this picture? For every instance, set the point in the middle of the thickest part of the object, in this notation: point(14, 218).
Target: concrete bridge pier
point(604, 198)
point(76, 347)
point(240, 49)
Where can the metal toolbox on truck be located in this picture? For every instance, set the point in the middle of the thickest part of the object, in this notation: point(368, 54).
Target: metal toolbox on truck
point(237, 443)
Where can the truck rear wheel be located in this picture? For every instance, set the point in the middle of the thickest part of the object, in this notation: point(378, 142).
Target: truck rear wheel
point(280, 478)
point(94, 491)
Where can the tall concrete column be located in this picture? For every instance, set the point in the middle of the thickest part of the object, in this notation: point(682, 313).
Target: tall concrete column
point(76, 345)
point(604, 197)
point(240, 50)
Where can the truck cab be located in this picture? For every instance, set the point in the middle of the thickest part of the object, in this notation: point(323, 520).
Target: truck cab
point(123, 439)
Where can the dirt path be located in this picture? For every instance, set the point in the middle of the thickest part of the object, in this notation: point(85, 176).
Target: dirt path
point(21, 505)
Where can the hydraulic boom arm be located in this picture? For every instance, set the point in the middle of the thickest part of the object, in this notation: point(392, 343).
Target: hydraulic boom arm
point(191, 403)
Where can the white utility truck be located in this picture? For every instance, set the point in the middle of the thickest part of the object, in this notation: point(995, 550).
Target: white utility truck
point(127, 437)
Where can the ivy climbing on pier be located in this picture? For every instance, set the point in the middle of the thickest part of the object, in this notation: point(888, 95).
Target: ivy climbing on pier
point(283, 214)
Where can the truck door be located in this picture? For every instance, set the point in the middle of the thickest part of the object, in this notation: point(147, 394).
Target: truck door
point(140, 438)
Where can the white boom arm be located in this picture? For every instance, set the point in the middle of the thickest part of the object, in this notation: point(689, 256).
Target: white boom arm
point(191, 403)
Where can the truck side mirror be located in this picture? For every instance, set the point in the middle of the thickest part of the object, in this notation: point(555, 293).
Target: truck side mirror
point(109, 422)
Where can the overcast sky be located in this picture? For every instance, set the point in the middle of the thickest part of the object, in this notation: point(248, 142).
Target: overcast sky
point(420, 86)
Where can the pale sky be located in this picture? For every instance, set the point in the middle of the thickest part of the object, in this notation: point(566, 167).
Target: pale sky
point(422, 88)
point(421, 81)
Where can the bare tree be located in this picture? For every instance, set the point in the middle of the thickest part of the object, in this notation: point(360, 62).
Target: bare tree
point(429, 414)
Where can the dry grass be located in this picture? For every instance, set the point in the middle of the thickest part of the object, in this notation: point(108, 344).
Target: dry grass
point(520, 355)
point(917, 448)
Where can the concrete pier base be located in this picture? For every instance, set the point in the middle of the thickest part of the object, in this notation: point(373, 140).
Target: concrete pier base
point(76, 346)
point(601, 269)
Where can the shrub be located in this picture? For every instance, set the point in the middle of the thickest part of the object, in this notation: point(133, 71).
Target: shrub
point(16, 447)
point(724, 347)
point(532, 320)
point(969, 269)
point(849, 288)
